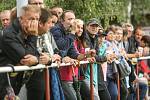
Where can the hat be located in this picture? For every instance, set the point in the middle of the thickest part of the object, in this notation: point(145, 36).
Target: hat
point(94, 21)
point(102, 34)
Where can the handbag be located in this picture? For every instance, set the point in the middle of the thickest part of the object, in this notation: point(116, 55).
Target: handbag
point(123, 68)
point(115, 69)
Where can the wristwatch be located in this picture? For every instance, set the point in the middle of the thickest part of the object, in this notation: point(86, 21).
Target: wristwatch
point(50, 61)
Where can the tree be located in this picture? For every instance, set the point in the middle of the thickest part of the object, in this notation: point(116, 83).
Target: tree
point(7, 4)
point(107, 11)
point(141, 12)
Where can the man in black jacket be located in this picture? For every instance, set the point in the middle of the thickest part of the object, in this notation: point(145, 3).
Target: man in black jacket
point(91, 41)
point(19, 46)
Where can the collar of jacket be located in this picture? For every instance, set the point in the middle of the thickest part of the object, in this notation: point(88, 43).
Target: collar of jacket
point(88, 40)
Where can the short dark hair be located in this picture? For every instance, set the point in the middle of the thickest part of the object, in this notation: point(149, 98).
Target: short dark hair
point(146, 39)
point(45, 15)
point(137, 29)
point(53, 13)
point(64, 13)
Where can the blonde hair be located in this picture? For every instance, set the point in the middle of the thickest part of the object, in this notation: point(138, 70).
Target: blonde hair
point(78, 21)
point(29, 8)
point(125, 25)
point(118, 28)
point(13, 14)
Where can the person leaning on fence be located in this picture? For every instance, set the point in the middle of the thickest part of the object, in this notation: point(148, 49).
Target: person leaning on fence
point(111, 80)
point(130, 48)
point(102, 77)
point(47, 44)
point(117, 64)
point(61, 30)
point(119, 45)
point(143, 65)
point(143, 84)
point(48, 50)
point(64, 40)
point(18, 45)
point(69, 74)
point(91, 42)
point(71, 77)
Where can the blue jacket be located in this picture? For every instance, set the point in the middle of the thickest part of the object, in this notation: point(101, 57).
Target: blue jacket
point(64, 41)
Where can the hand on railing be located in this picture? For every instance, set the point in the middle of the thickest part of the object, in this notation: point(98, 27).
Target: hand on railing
point(40, 66)
point(56, 57)
point(124, 54)
point(73, 62)
point(111, 57)
point(44, 58)
point(29, 60)
point(90, 52)
point(91, 59)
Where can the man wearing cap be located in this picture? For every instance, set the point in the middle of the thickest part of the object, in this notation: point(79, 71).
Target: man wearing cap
point(91, 42)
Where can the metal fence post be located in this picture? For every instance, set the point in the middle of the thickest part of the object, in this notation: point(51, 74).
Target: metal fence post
point(91, 83)
point(47, 83)
point(137, 90)
point(118, 85)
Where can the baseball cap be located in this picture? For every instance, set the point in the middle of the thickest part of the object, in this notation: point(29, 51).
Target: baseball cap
point(94, 21)
point(102, 34)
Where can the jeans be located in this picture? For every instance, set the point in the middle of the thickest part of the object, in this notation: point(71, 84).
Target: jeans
point(104, 94)
point(69, 91)
point(143, 89)
point(112, 88)
point(85, 91)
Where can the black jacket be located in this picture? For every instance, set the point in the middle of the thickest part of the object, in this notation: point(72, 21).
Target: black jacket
point(92, 43)
point(14, 45)
point(133, 45)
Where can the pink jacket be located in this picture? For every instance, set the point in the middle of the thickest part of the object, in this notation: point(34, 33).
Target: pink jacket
point(66, 73)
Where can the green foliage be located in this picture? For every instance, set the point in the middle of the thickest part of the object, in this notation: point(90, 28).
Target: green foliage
point(108, 11)
point(101, 9)
point(140, 8)
point(104, 10)
point(7, 4)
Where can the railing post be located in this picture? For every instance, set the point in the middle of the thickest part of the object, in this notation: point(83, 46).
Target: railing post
point(47, 83)
point(91, 83)
point(137, 90)
point(118, 85)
